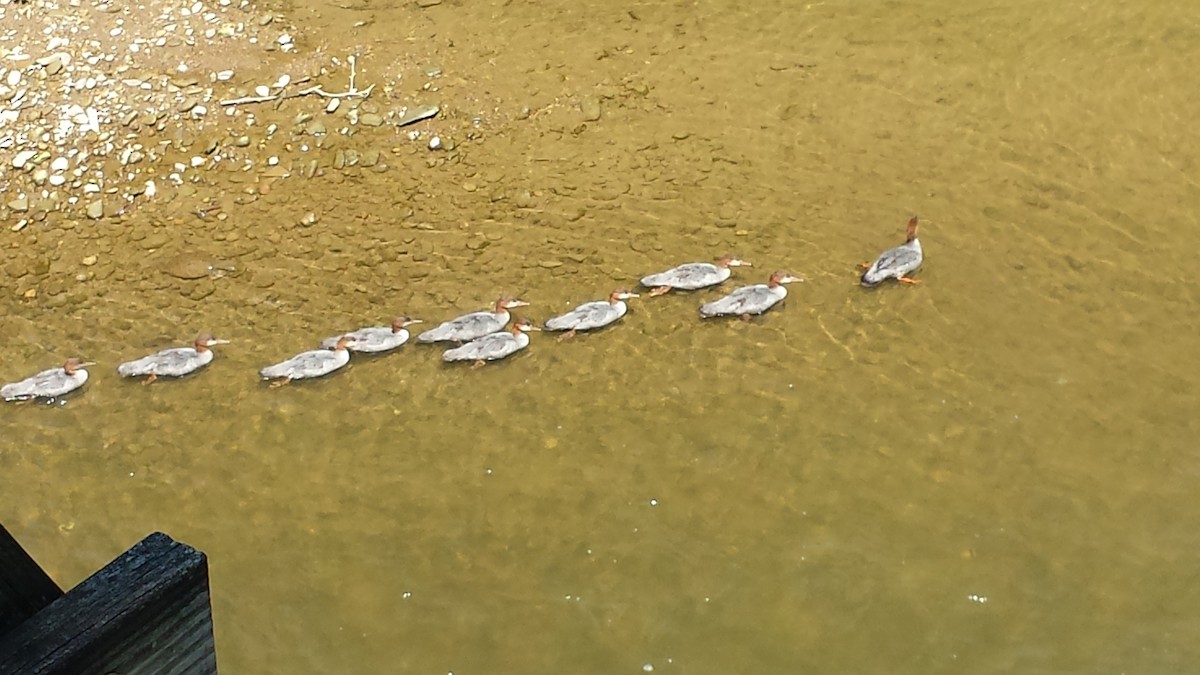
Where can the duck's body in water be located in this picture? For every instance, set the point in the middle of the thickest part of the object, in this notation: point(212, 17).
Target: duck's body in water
point(375, 339)
point(493, 346)
point(175, 362)
point(692, 276)
point(591, 315)
point(474, 325)
point(311, 364)
point(749, 300)
point(896, 263)
point(48, 383)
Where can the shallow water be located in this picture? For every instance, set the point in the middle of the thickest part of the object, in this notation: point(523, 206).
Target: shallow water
point(993, 470)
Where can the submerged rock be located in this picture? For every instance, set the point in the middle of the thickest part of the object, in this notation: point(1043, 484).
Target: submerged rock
point(188, 266)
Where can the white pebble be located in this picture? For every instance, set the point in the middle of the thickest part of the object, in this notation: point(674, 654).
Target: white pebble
point(262, 90)
point(333, 105)
point(435, 143)
point(285, 39)
point(115, 32)
point(197, 161)
point(199, 111)
point(57, 179)
point(283, 81)
point(23, 158)
point(14, 77)
point(60, 164)
point(272, 160)
point(151, 188)
point(225, 75)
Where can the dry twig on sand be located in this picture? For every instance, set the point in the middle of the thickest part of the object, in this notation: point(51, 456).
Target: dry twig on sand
point(352, 92)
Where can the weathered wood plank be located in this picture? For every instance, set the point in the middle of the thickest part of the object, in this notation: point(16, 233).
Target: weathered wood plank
point(24, 588)
point(147, 612)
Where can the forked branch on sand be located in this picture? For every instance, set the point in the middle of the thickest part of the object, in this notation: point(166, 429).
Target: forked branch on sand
point(352, 92)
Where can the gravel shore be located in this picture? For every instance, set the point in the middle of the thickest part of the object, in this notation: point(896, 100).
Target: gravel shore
point(104, 106)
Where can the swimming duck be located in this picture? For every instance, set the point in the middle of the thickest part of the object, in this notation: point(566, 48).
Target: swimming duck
point(473, 325)
point(309, 364)
point(691, 276)
point(48, 383)
point(898, 262)
point(493, 346)
point(749, 300)
point(376, 338)
point(592, 314)
point(175, 362)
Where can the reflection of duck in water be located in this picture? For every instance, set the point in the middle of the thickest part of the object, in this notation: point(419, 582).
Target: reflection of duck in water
point(591, 315)
point(473, 325)
point(898, 262)
point(48, 383)
point(376, 338)
point(309, 364)
point(493, 346)
point(749, 300)
point(175, 362)
point(691, 276)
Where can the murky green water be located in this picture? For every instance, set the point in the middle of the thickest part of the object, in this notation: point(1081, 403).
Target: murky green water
point(993, 471)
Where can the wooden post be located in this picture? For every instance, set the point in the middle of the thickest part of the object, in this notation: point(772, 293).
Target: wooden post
point(147, 612)
point(24, 587)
